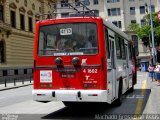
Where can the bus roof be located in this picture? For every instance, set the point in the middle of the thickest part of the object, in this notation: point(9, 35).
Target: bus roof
point(116, 29)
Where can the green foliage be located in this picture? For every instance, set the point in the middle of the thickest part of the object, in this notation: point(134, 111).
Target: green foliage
point(144, 32)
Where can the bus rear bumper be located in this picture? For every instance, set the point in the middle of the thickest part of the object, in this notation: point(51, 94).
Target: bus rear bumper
point(71, 95)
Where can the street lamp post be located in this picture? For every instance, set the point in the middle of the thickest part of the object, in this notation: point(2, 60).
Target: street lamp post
point(152, 34)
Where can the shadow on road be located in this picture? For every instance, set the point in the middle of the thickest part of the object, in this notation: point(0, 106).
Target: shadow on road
point(89, 111)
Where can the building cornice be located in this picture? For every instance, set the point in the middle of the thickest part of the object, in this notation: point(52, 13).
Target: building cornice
point(22, 9)
point(23, 33)
point(13, 6)
point(30, 13)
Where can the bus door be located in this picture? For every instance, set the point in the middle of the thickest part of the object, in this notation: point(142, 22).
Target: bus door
point(127, 65)
point(112, 64)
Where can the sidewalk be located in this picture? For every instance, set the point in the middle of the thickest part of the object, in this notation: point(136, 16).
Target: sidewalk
point(153, 103)
point(17, 85)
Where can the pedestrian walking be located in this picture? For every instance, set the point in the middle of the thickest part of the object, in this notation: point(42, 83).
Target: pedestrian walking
point(151, 71)
point(157, 73)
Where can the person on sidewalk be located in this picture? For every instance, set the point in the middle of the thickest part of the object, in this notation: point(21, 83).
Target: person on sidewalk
point(157, 73)
point(151, 71)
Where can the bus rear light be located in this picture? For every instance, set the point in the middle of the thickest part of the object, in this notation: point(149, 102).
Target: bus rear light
point(92, 94)
point(40, 94)
point(58, 61)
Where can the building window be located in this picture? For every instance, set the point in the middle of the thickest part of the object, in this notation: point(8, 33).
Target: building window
point(2, 52)
point(114, 12)
point(133, 21)
point(95, 2)
point(96, 12)
point(142, 22)
point(22, 22)
point(33, 6)
point(64, 15)
point(40, 9)
point(117, 23)
point(86, 2)
point(1, 13)
point(13, 19)
point(109, 12)
point(25, 3)
point(112, 1)
point(152, 8)
point(142, 10)
point(30, 24)
point(132, 10)
point(64, 3)
point(135, 41)
point(77, 2)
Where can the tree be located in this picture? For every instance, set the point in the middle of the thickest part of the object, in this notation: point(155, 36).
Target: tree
point(144, 31)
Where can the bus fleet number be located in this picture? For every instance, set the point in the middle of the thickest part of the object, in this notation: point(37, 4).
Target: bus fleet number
point(90, 71)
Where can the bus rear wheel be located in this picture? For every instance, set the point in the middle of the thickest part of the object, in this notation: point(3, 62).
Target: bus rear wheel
point(131, 89)
point(118, 102)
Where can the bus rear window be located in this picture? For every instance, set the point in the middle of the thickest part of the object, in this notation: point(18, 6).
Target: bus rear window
point(68, 39)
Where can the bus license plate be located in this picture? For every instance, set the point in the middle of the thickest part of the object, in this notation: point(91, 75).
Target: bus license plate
point(68, 75)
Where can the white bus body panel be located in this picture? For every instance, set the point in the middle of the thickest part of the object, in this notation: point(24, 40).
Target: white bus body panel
point(71, 95)
point(123, 68)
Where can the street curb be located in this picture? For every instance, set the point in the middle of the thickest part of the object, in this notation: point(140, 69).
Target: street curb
point(15, 87)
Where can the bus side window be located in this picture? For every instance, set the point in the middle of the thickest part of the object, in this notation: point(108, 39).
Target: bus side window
point(107, 43)
point(123, 49)
point(118, 47)
point(130, 52)
point(126, 52)
point(41, 43)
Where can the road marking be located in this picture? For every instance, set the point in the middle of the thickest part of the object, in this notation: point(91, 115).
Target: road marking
point(140, 101)
point(133, 96)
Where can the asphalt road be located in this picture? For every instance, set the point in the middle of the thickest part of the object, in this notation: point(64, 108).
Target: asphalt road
point(18, 104)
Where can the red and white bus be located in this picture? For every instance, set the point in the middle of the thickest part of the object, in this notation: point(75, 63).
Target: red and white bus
point(82, 59)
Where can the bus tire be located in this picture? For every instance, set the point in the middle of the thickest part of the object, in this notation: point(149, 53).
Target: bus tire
point(131, 89)
point(118, 102)
point(69, 104)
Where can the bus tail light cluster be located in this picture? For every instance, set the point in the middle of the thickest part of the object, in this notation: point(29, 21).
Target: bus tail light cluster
point(59, 61)
point(92, 94)
point(40, 94)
